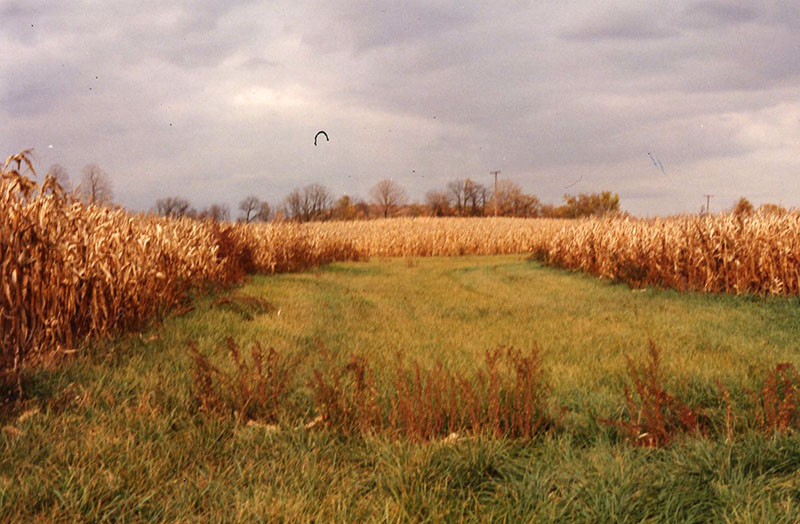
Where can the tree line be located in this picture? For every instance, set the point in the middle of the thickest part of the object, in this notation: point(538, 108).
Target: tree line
point(387, 198)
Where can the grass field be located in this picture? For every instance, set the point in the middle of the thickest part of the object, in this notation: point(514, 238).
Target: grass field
point(115, 434)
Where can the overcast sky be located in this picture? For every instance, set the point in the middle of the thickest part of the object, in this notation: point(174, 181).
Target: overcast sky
point(214, 100)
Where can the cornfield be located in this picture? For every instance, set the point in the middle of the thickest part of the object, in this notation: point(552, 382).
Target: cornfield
point(71, 272)
point(758, 253)
point(427, 236)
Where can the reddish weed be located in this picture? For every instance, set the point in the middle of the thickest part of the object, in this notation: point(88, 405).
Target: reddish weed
point(255, 390)
point(659, 417)
point(346, 397)
point(507, 399)
point(778, 402)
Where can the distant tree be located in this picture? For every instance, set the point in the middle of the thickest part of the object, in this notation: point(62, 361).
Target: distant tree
point(174, 206)
point(362, 209)
point(548, 211)
point(743, 207)
point(414, 209)
point(264, 212)
point(501, 201)
point(438, 203)
point(313, 202)
point(456, 193)
point(772, 209)
point(293, 205)
point(388, 195)
point(595, 204)
point(467, 197)
point(249, 207)
point(511, 201)
point(62, 177)
point(319, 202)
point(343, 209)
point(95, 186)
point(216, 212)
point(475, 198)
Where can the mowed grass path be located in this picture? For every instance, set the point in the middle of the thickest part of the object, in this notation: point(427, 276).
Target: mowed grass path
point(114, 435)
point(454, 309)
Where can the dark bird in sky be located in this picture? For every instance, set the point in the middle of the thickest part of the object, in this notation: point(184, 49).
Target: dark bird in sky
point(321, 133)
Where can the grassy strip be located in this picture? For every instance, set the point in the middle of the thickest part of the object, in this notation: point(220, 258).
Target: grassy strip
point(118, 434)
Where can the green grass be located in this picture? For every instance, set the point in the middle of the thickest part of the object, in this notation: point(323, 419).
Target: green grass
point(114, 435)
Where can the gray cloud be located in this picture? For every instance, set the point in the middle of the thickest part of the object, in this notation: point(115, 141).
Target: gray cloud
point(641, 23)
point(709, 13)
point(215, 101)
point(364, 26)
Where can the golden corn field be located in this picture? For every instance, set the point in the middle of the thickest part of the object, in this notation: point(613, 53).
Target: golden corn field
point(71, 271)
point(758, 253)
point(405, 237)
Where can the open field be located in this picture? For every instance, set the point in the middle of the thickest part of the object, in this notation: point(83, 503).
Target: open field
point(117, 433)
point(413, 388)
point(72, 272)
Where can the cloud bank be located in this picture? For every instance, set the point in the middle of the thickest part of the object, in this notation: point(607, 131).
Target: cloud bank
point(213, 101)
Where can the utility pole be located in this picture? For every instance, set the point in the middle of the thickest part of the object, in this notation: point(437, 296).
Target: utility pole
point(494, 197)
point(708, 203)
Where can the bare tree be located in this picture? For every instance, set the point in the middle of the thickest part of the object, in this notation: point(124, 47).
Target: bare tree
point(253, 208)
point(216, 212)
point(95, 186)
point(264, 212)
point(388, 194)
point(175, 207)
point(438, 203)
point(475, 197)
point(313, 202)
point(467, 196)
point(249, 207)
point(59, 172)
point(293, 205)
point(456, 192)
point(319, 202)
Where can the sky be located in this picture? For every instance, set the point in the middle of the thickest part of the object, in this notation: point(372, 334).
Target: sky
point(660, 102)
